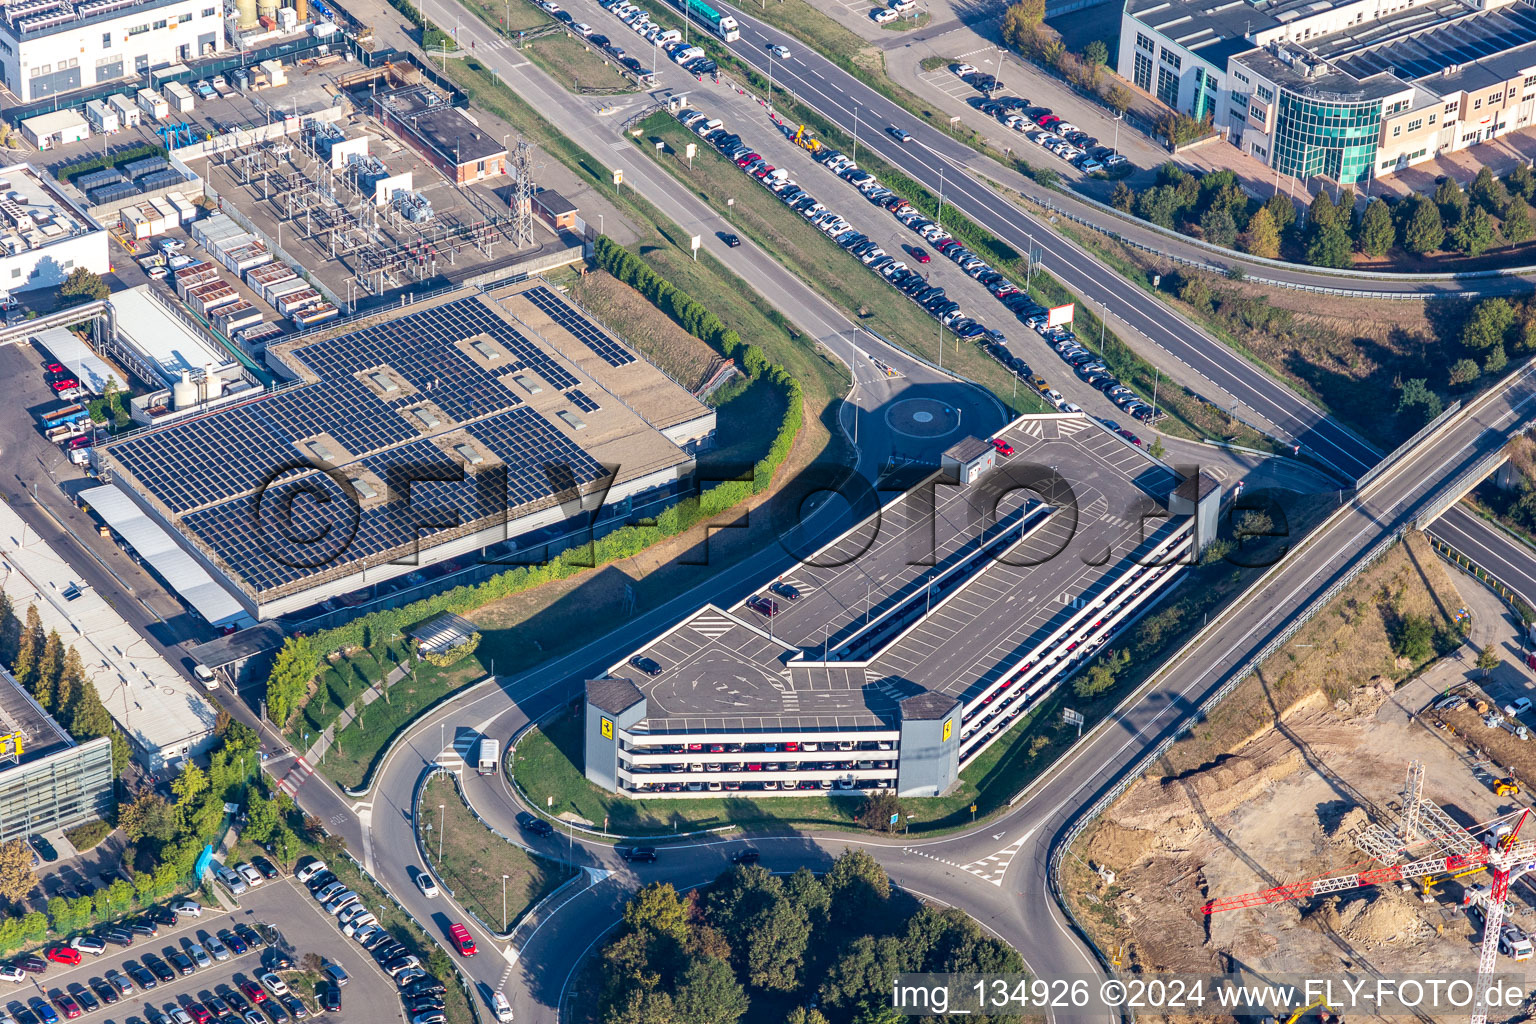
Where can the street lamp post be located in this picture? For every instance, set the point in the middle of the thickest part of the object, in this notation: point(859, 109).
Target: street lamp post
point(855, 133)
point(442, 820)
point(504, 903)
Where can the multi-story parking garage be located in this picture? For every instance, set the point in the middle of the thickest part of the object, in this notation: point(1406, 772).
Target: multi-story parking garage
point(899, 652)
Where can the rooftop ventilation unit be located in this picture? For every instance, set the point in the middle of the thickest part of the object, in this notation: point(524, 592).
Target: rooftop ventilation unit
point(486, 351)
point(321, 451)
point(362, 487)
point(427, 417)
point(384, 382)
point(470, 455)
point(528, 384)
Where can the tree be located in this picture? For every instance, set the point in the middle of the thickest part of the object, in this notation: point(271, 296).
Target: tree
point(807, 892)
point(1282, 210)
point(1096, 53)
point(1262, 238)
point(709, 994)
point(148, 817)
point(858, 887)
point(1495, 360)
point(190, 784)
point(49, 668)
point(1488, 659)
point(1122, 198)
point(72, 681)
point(1489, 192)
point(1521, 182)
point(1377, 234)
point(802, 1015)
point(1254, 523)
point(1119, 98)
point(1197, 293)
point(16, 878)
point(1416, 397)
point(83, 285)
point(292, 671)
point(1322, 212)
point(1464, 371)
point(261, 818)
point(864, 966)
point(440, 966)
point(1488, 325)
point(1218, 227)
point(1414, 638)
point(1157, 449)
point(29, 649)
point(1517, 221)
point(1102, 675)
point(1475, 234)
point(10, 631)
point(878, 809)
point(1424, 228)
point(90, 718)
point(1452, 201)
point(1346, 206)
point(1020, 18)
point(658, 908)
point(1328, 244)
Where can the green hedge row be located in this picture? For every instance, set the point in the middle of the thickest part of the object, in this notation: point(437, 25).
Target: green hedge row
point(380, 626)
point(117, 159)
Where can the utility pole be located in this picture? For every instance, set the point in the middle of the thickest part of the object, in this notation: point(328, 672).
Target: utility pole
point(441, 823)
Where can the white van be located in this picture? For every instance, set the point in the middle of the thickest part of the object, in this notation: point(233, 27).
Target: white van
point(687, 54)
point(205, 675)
point(671, 35)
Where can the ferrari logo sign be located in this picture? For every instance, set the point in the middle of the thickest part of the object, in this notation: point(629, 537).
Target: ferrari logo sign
point(949, 725)
point(607, 728)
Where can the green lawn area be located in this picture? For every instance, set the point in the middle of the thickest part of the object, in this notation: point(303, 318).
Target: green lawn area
point(818, 260)
point(575, 65)
point(739, 436)
point(341, 684)
point(360, 742)
point(509, 16)
point(474, 859)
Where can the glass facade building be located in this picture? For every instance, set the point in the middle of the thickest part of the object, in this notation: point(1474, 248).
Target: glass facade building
point(57, 791)
point(1335, 138)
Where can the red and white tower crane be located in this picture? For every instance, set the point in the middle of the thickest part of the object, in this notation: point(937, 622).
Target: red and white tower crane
point(1501, 851)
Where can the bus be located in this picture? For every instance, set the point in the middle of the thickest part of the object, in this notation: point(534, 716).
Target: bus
point(722, 25)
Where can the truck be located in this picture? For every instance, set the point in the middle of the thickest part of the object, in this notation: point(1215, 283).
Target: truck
point(1514, 943)
point(65, 414)
point(64, 431)
point(486, 760)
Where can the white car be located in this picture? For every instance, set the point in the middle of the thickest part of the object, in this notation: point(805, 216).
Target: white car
point(272, 983)
point(501, 1006)
point(1518, 706)
point(965, 69)
point(583, 28)
point(309, 870)
point(198, 954)
point(249, 873)
point(9, 973)
point(883, 15)
point(779, 51)
point(1064, 128)
point(427, 886)
point(88, 944)
point(188, 907)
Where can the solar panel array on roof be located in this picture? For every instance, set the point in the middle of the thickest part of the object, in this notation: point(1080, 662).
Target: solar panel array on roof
point(578, 326)
point(580, 400)
point(306, 521)
point(226, 472)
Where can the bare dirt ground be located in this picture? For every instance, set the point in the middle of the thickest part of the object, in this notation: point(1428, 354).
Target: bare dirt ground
point(1267, 790)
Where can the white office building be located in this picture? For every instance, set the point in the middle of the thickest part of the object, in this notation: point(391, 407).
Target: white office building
point(43, 234)
point(49, 47)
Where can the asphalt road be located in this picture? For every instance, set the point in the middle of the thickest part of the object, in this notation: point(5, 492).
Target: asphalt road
point(1491, 548)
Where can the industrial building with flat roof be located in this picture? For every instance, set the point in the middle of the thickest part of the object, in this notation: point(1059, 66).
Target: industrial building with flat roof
point(50, 47)
point(1349, 91)
point(897, 653)
point(409, 437)
point(44, 235)
point(48, 782)
point(441, 134)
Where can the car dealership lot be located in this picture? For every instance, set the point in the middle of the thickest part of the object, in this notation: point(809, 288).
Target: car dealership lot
point(296, 926)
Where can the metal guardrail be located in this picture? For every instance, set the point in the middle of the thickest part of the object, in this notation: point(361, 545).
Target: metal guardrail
point(1064, 842)
point(1402, 449)
point(1518, 602)
point(1464, 482)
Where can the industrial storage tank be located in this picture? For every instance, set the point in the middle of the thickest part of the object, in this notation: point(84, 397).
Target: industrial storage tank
point(184, 393)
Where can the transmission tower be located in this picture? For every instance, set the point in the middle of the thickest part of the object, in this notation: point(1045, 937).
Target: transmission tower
point(522, 194)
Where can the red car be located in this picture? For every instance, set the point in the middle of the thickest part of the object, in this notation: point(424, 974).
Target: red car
point(55, 368)
point(921, 255)
point(1003, 447)
point(1131, 437)
point(466, 942)
point(1047, 121)
point(199, 1013)
point(63, 955)
point(254, 992)
point(83, 441)
point(67, 1006)
point(64, 384)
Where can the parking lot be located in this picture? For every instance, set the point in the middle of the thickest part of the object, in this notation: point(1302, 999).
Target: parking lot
point(278, 909)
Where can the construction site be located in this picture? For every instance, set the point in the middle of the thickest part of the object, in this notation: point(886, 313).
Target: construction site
point(1345, 810)
point(369, 215)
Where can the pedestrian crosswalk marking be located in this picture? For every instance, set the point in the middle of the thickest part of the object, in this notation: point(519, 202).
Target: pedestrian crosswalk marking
point(713, 626)
point(296, 777)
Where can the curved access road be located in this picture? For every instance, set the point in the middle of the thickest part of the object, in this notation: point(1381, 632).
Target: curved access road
point(997, 871)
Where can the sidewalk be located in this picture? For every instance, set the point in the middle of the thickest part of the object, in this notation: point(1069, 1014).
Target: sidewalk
point(323, 742)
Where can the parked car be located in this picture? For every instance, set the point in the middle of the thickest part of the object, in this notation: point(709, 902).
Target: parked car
point(62, 955)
